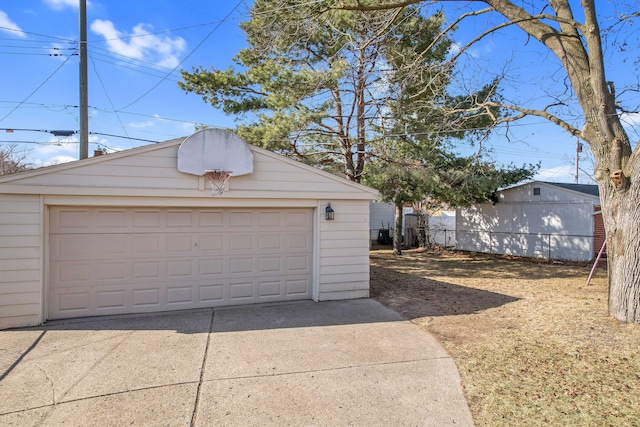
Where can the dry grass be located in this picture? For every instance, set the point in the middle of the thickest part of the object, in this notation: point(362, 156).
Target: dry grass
point(533, 344)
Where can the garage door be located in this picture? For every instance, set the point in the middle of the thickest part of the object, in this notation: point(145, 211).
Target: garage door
point(131, 260)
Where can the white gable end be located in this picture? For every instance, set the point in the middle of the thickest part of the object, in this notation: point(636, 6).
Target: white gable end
point(151, 170)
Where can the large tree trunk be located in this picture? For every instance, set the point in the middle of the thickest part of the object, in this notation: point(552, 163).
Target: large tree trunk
point(617, 168)
point(621, 215)
point(397, 234)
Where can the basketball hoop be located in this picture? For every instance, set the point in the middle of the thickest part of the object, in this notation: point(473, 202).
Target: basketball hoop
point(216, 154)
point(218, 180)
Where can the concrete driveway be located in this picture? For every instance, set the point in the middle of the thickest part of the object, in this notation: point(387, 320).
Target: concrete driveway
point(331, 363)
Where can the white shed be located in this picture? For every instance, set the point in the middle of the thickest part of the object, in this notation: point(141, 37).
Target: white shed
point(537, 219)
point(129, 233)
point(381, 216)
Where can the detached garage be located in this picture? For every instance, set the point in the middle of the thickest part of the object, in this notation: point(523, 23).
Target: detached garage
point(139, 231)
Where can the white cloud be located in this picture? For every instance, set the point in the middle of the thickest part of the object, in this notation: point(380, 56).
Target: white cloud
point(54, 153)
point(565, 173)
point(61, 4)
point(141, 125)
point(456, 47)
point(190, 126)
point(163, 51)
point(67, 147)
point(630, 119)
point(56, 160)
point(115, 149)
point(561, 173)
point(9, 26)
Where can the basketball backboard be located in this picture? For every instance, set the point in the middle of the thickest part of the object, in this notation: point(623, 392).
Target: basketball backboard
point(215, 150)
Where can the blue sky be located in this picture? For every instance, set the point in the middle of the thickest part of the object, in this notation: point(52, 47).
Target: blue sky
point(124, 68)
point(133, 92)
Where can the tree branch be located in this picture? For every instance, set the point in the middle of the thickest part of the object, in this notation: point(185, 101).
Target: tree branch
point(523, 112)
point(387, 6)
point(463, 49)
point(449, 28)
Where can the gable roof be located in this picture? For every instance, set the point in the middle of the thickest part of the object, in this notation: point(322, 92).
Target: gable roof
point(590, 189)
point(151, 170)
point(105, 158)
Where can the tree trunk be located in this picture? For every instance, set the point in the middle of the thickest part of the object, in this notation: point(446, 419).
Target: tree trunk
point(397, 234)
point(427, 232)
point(361, 87)
point(422, 230)
point(622, 224)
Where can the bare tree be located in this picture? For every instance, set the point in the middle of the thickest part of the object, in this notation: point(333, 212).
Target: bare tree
point(579, 47)
point(13, 159)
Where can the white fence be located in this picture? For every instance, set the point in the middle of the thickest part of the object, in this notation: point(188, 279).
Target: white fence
point(536, 245)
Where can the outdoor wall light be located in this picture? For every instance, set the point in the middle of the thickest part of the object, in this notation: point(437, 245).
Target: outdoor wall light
point(329, 213)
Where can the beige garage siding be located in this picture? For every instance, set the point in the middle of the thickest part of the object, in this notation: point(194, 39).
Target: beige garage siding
point(129, 260)
point(20, 261)
point(344, 252)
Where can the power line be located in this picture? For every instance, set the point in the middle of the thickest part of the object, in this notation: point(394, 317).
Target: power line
point(31, 54)
point(13, 39)
point(72, 133)
point(35, 90)
point(104, 110)
point(498, 149)
point(28, 142)
point(124, 137)
point(37, 47)
point(57, 143)
point(132, 68)
point(131, 59)
point(106, 92)
point(133, 36)
point(493, 149)
point(69, 133)
point(154, 116)
point(204, 24)
point(53, 132)
point(37, 34)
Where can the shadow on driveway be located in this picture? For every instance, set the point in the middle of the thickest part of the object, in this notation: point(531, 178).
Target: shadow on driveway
point(15, 344)
point(331, 363)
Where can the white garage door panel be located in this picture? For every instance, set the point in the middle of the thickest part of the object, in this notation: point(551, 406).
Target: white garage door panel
point(127, 260)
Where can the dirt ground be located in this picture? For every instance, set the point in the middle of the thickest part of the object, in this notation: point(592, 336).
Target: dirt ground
point(534, 345)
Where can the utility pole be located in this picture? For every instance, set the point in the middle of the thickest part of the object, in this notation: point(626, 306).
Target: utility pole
point(84, 83)
point(578, 151)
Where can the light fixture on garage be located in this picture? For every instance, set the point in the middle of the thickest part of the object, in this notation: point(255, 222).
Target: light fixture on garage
point(329, 212)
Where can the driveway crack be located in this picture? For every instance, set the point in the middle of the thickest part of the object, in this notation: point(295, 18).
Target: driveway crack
point(196, 405)
point(95, 396)
point(97, 362)
point(332, 369)
point(50, 381)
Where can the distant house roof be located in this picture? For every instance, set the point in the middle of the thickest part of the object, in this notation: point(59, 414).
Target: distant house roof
point(589, 189)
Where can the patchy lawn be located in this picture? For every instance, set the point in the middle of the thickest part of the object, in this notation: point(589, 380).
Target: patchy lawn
point(534, 345)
